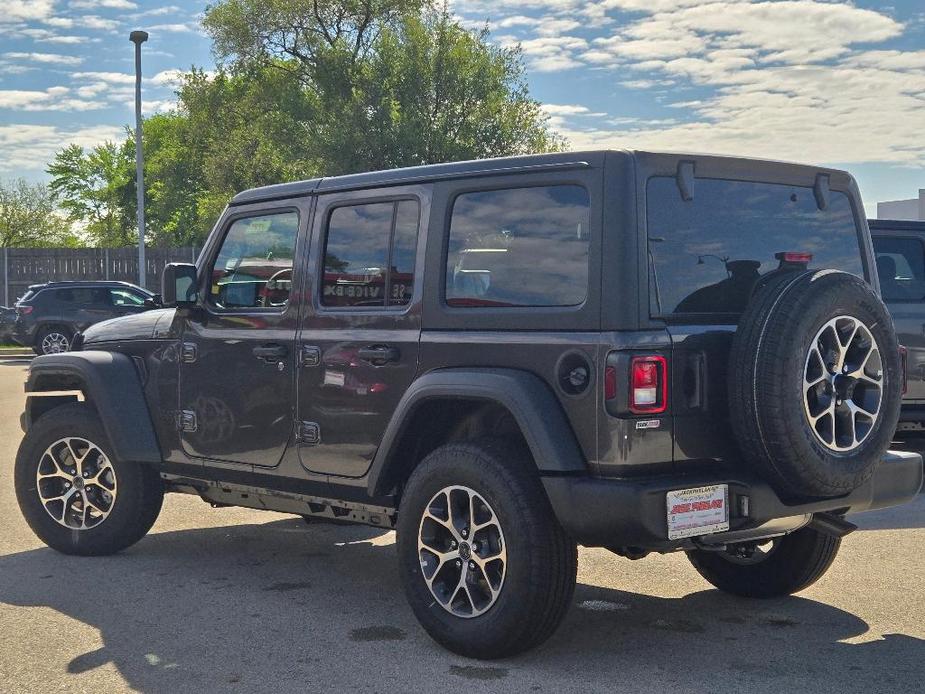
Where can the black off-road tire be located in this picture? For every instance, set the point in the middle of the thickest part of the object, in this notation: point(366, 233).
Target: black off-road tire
point(136, 505)
point(542, 560)
point(767, 367)
point(796, 562)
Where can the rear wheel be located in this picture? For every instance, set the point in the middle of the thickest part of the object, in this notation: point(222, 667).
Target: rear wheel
point(769, 569)
point(77, 497)
point(485, 566)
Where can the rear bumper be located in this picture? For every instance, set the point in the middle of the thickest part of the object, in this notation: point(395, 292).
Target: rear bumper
point(631, 512)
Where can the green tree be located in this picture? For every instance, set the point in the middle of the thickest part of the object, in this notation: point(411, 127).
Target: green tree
point(97, 189)
point(386, 82)
point(306, 88)
point(29, 217)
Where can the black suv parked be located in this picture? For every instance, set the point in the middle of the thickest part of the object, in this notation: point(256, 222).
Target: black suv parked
point(900, 250)
point(49, 315)
point(502, 359)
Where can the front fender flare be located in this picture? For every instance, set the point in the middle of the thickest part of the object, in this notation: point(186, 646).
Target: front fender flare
point(108, 380)
point(529, 400)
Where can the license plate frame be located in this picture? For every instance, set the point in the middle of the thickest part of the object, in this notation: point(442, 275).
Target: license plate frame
point(697, 511)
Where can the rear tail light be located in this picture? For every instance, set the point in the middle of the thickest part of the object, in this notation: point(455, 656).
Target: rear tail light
point(24, 310)
point(648, 385)
point(903, 358)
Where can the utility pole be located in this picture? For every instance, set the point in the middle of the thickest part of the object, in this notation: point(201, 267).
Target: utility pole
point(138, 38)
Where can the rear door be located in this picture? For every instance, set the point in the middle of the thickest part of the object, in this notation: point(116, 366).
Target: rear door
point(706, 255)
point(359, 338)
point(901, 267)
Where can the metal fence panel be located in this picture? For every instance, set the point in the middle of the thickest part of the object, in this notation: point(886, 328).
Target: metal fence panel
point(20, 267)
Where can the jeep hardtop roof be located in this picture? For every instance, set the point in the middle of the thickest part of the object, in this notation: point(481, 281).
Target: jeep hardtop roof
point(706, 165)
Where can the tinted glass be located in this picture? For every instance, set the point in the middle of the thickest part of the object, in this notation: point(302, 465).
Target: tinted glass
point(901, 266)
point(519, 247)
point(707, 254)
point(123, 297)
point(254, 265)
point(83, 296)
point(404, 251)
point(369, 255)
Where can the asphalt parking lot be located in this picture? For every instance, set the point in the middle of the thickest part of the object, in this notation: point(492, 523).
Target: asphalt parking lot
point(238, 600)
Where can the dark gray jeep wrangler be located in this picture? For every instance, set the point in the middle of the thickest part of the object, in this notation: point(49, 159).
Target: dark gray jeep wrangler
point(502, 359)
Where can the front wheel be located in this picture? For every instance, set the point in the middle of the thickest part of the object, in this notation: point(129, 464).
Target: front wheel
point(485, 565)
point(77, 497)
point(53, 340)
point(770, 569)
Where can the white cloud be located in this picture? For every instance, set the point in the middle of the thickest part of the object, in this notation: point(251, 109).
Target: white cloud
point(51, 99)
point(47, 58)
point(109, 77)
point(174, 28)
point(791, 79)
point(107, 4)
point(88, 21)
point(26, 147)
point(26, 10)
point(168, 78)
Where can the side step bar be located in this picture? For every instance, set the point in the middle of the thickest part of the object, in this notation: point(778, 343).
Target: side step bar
point(231, 494)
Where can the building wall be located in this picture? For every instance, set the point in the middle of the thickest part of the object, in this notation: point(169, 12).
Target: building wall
point(910, 210)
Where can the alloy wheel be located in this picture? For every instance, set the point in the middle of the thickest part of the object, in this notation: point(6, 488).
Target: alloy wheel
point(76, 483)
point(462, 551)
point(843, 384)
point(55, 343)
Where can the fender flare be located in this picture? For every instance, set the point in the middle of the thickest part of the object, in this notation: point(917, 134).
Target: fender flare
point(110, 381)
point(529, 399)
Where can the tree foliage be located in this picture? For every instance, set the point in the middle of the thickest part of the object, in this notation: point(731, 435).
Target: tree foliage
point(96, 188)
point(308, 88)
point(29, 217)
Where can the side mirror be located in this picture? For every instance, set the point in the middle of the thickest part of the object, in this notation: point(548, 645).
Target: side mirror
point(179, 285)
point(154, 302)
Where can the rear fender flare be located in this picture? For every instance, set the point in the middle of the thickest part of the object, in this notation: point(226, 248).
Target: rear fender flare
point(530, 401)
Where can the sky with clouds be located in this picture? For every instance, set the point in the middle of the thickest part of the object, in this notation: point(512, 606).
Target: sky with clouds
point(834, 82)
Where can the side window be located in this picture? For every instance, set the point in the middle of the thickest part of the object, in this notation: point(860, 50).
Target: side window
point(82, 296)
point(901, 267)
point(519, 247)
point(369, 255)
point(123, 297)
point(253, 268)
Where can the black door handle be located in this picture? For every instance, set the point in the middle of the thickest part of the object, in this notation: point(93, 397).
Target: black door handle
point(270, 352)
point(378, 354)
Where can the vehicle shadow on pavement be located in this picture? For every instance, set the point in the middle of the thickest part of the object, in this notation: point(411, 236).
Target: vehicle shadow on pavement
point(283, 606)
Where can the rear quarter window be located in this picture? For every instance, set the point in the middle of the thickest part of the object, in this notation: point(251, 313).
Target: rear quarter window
point(519, 247)
point(707, 254)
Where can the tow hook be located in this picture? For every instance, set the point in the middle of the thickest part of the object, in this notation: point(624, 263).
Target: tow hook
point(832, 524)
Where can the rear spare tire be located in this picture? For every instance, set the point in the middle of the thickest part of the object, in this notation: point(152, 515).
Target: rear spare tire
point(815, 382)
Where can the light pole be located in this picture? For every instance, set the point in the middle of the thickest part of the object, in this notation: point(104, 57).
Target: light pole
point(138, 38)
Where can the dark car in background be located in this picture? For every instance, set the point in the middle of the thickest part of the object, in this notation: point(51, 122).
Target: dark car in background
point(48, 316)
point(900, 249)
point(7, 318)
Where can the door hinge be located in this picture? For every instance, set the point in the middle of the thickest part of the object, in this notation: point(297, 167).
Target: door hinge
point(186, 421)
point(310, 356)
point(308, 434)
point(188, 352)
